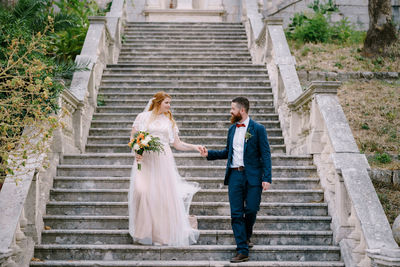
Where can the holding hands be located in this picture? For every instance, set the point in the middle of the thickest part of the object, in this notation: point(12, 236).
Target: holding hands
point(203, 151)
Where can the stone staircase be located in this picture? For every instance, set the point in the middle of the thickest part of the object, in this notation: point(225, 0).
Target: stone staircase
point(203, 66)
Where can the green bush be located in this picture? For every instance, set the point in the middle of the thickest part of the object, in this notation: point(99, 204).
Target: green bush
point(313, 30)
point(382, 158)
point(37, 49)
point(71, 24)
point(315, 27)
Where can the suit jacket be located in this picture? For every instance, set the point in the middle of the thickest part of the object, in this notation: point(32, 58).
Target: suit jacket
point(257, 154)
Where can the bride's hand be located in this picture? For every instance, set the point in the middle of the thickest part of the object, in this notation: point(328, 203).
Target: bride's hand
point(139, 157)
point(200, 148)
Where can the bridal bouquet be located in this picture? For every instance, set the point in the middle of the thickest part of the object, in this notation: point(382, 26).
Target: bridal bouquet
point(143, 141)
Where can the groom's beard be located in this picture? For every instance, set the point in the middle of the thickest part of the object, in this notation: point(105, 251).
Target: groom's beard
point(236, 118)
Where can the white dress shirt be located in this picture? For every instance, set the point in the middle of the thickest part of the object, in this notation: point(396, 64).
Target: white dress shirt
point(238, 145)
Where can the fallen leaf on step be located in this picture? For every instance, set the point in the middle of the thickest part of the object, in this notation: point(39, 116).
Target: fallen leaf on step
point(35, 259)
point(47, 228)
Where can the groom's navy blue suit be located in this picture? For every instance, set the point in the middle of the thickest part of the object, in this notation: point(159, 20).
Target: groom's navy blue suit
point(245, 187)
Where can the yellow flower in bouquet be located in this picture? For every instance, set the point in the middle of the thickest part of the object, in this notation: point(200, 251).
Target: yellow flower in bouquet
point(143, 141)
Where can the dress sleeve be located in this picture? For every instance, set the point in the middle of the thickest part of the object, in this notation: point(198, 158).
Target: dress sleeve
point(173, 132)
point(138, 123)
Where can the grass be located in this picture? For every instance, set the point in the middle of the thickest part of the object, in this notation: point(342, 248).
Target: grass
point(389, 197)
point(373, 111)
point(342, 58)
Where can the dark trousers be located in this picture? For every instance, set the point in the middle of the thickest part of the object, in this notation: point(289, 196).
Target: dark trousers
point(245, 201)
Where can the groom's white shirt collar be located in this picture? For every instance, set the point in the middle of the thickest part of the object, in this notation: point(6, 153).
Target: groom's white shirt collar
point(238, 144)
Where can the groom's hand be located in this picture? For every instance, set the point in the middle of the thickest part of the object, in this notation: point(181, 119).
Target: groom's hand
point(204, 152)
point(265, 185)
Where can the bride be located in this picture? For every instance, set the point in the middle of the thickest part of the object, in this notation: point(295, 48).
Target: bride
point(159, 198)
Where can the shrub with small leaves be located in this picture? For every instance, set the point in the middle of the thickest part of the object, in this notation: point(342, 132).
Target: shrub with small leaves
point(382, 158)
point(315, 27)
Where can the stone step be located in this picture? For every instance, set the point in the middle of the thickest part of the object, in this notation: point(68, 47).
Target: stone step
point(189, 35)
point(130, 92)
point(172, 46)
point(167, 54)
point(175, 62)
point(185, 28)
point(178, 109)
point(186, 43)
point(191, 25)
point(220, 45)
point(221, 50)
point(141, 101)
point(174, 263)
point(200, 95)
point(212, 77)
point(289, 223)
point(180, 158)
point(213, 195)
point(180, 65)
point(166, 61)
point(125, 132)
point(190, 83)
point(279, 183)
point(213, 119)
point(187, 32)
point(185, 171)
point(207, 237)
point(186, 71)
point(196, 208)
point(106, 148)
point(196, 252)
point(185, 37)
point(204, 140)
point(188, 59)
point(205, 182)
point(205, 49)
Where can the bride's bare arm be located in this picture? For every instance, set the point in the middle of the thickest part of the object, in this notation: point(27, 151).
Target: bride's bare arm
point(179, 145)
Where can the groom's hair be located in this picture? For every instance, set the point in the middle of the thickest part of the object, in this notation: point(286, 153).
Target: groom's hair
point(242, 102)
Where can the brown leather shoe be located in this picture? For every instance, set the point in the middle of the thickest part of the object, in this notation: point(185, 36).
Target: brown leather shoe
point(239, 258)
point(249, 243)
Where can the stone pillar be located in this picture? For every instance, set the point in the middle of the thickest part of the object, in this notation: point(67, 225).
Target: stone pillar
point(184, 4)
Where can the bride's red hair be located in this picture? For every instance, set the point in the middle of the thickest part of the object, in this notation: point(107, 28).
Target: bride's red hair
point(155, 105)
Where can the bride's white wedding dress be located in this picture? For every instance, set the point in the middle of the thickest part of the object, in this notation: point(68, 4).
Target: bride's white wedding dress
point(159, 198)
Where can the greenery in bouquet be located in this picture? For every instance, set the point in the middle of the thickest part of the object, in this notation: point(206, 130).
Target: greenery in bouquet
point(143, 141)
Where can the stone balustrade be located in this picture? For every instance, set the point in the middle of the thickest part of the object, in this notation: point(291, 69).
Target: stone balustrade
point(313, 122)
point(22, 204)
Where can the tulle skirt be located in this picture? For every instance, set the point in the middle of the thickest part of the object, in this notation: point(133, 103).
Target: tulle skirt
point(159, 201)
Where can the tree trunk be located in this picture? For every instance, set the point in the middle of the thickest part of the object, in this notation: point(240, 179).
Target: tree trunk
point(382, 32)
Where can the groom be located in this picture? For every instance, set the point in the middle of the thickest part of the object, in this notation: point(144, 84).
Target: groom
point(248, 172)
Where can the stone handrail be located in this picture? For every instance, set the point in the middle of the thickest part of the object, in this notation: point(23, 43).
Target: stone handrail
point(313, 122)
point(22, 204)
